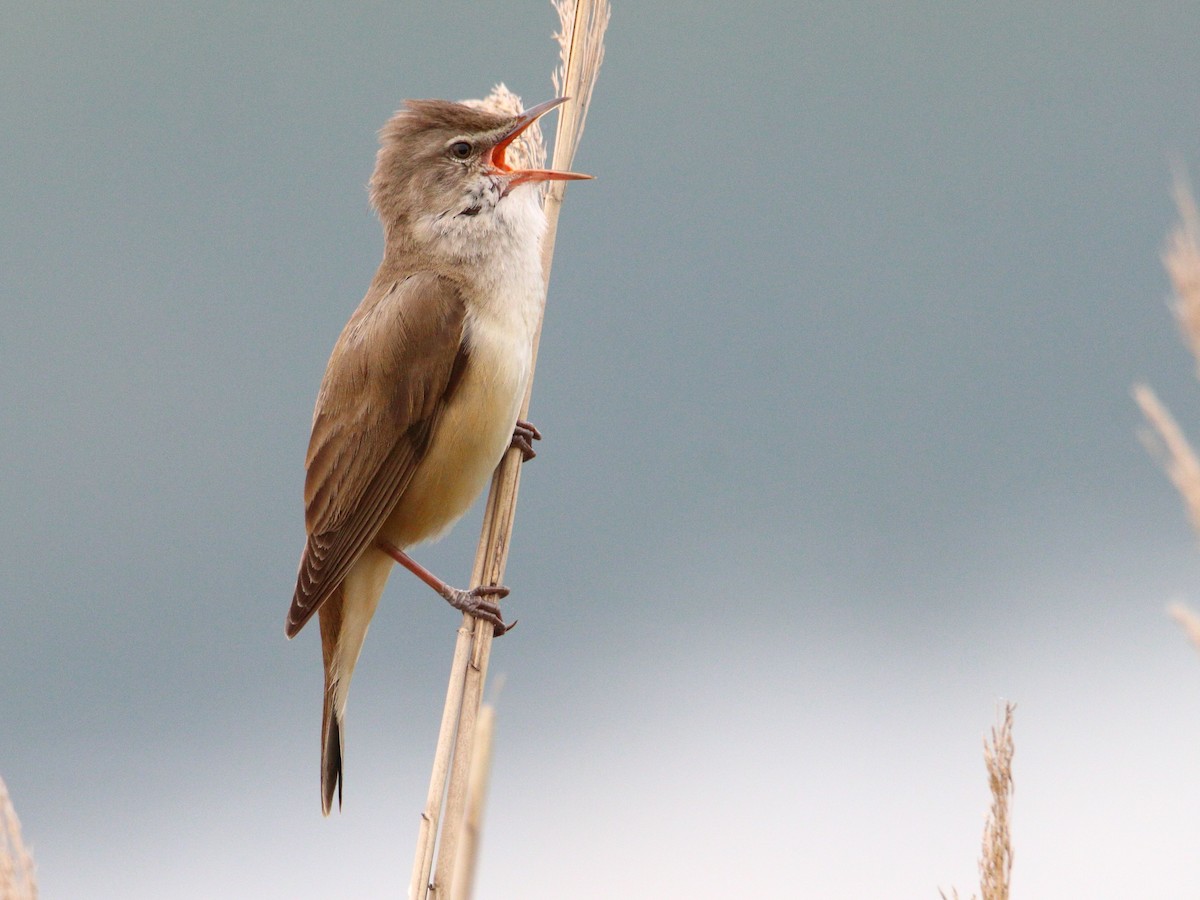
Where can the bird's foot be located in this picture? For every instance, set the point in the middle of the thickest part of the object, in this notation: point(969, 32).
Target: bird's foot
point(474, 603)
point(523, 437)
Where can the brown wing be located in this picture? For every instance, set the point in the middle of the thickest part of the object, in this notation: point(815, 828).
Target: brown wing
point(391, 371)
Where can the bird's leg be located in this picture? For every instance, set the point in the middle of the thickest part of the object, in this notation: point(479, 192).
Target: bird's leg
point(472, 602)
point(523, 437)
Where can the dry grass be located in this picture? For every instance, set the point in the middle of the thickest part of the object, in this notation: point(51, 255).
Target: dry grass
point(996, 857)
point(1188, 620)
point(1182, 261)
point(580, 36)
point(1165, 439)
point(1166, 442)
point(995, 865)
point(17, 878)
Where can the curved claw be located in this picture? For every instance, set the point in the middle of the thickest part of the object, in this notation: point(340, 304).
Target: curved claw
point(502, 629)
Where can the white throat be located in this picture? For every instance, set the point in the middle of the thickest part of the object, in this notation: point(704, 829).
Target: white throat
point(486, 226)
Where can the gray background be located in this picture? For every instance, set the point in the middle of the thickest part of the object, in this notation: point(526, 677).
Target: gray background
point(839, 452)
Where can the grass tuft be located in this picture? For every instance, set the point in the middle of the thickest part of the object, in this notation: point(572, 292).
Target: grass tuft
point(17, 877)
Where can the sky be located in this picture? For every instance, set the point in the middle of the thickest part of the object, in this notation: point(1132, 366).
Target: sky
point(839, 456)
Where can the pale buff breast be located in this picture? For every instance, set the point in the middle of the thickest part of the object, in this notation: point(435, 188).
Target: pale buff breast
point(472, 434)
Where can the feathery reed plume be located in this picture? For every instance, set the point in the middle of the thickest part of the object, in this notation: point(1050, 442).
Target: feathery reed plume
point(1182, 262)
point(995, 861)
point(1166, 440)
point(581, 49)
point(580, 53)
point(528, 151)
point(1188, 620)
point(995, 865)
point(1172, 450)
point(17, 879)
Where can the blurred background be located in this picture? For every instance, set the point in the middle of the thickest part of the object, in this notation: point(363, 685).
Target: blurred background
point(840, 452)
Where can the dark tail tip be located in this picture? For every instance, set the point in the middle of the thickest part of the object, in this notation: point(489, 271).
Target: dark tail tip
point(331, 757)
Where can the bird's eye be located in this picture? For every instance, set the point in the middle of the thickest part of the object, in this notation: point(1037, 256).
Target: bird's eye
point(460, 149)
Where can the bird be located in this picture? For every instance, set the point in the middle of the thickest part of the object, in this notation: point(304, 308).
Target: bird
point(422, 392)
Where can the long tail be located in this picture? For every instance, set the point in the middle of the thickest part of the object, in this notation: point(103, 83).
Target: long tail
point(344, 618)
point(331, 718)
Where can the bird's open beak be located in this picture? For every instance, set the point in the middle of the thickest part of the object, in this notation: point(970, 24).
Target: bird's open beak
point(520, 176)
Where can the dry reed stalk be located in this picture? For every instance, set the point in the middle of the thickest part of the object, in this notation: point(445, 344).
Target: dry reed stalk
point(581, 40)
point(528, 151)
point(17, 877)
point(477, 787)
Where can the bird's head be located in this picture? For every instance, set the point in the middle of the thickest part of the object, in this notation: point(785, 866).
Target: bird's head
point(442, 164)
